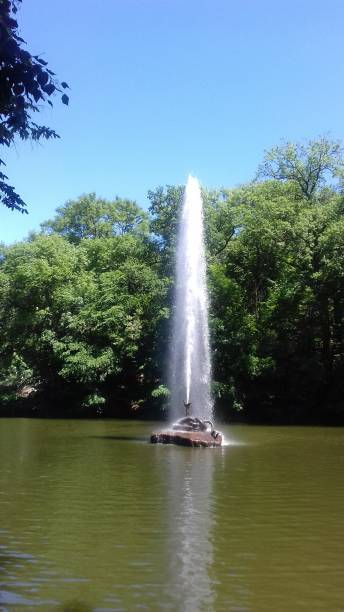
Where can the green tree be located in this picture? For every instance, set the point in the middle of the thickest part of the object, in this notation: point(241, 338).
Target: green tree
point(93, 217)
point(164, 208)
point(308, 165)
point(25, 83)
point(84, 306)
point(83, 332)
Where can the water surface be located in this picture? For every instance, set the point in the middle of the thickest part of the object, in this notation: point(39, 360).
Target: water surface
point(94, 517)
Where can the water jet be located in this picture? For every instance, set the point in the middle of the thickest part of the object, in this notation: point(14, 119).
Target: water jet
point(190, 364)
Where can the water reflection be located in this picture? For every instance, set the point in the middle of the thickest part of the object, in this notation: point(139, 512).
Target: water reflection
point(91, 520)
point(189, 485)
point(15, 591)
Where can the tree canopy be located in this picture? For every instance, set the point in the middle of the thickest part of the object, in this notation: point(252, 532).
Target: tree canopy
point(92, 217)
point(85, 304)
point(25, 83)
point(309, 165)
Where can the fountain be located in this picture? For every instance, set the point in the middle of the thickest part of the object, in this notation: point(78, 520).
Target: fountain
point(190, 366)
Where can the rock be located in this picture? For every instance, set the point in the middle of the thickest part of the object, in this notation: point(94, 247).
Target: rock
point(186, 438)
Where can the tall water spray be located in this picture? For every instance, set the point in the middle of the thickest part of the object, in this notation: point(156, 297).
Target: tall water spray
point(190, 372)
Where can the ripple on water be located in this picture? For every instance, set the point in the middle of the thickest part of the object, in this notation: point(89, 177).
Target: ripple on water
point(256, 525)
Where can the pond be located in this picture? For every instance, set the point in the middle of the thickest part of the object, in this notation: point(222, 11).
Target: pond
point(92, 517)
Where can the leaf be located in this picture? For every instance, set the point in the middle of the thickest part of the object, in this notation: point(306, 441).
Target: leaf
point(43, 62)
point(37, 95)
point(25, 56)
point(13, 24)
point(49, 89)
point(65, 85)
point(42, 78)
point(65, 99)
point(50, 102)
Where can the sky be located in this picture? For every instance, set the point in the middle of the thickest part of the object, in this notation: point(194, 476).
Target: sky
point(163, 88)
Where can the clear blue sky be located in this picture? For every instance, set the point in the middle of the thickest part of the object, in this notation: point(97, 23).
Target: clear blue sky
point(161, 88)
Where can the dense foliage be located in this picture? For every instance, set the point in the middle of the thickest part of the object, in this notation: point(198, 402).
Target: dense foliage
point(85, 304)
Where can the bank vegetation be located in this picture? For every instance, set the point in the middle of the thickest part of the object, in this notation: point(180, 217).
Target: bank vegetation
point(85, 303)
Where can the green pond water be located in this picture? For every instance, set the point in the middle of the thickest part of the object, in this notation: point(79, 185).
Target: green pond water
point(92, 517)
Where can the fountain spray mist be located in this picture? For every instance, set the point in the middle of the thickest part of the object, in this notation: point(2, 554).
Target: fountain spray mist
point(190, 372)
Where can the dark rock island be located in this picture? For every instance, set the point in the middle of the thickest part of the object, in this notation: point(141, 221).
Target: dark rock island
point(189, 431)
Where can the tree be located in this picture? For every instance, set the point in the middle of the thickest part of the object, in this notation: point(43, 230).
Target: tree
point(93, 217)
point(307, 165)
point(84, 307)
point(164, 209)
point(79, 328)
point(25, 82)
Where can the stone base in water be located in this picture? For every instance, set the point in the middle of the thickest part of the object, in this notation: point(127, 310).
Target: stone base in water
point(186, 438)
point(189, 431)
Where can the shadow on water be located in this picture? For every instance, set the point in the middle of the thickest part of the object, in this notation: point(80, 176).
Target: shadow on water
point(121, 438)
point(74, 606)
